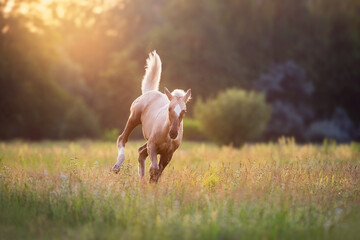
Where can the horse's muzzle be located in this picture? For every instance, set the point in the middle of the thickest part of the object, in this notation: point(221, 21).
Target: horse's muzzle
point(173, 134)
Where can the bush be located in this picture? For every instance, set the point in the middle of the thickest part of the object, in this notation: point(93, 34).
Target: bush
point(286, 120)
point(338, 127)
point(78, 121)
point(234, 116)
point(287, 81)
point(320, 130)
point(110, 135)
point(287, 88)
point(192, 130)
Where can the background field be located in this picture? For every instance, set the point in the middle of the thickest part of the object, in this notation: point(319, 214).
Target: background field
point(61, 190)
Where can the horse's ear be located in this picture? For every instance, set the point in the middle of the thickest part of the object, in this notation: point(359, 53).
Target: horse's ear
point(168, 94)
point(187, 96)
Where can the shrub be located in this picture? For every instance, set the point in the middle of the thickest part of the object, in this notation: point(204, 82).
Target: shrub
point(286, 120)
point(287, 88)
point(110, 135)
point(78, 122)
point(338, 127)
point(192, 130)
point(323, 129)
point(234, 116)
point(287, 81)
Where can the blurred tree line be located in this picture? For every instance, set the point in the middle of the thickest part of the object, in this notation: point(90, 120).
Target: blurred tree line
point(72, 68)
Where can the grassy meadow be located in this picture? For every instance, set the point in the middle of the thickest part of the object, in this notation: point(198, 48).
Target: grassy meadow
point(62, 190)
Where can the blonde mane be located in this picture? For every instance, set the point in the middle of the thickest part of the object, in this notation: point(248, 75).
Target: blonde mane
point(179, 93)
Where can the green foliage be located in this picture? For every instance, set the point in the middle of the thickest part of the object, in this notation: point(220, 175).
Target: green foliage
point(234, 116)
point(116, 89)
point(192, 130)
point(32, 105)
point(75, 49)
point(110, 135)
point(78, 121)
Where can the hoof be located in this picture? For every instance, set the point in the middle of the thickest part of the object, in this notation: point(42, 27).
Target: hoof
point(116, 169)
point(154, 175)
point(142, 179)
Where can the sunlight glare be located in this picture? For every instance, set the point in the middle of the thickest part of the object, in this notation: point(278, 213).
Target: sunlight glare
point(9, 6)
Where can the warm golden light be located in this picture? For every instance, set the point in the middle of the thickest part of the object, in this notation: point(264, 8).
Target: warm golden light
point(52, 10)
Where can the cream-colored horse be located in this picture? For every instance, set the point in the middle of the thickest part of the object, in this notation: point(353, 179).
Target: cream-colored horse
point(161, 117)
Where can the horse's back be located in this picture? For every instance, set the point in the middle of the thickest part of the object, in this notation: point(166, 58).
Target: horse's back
point(150, 100)
point(151, 107)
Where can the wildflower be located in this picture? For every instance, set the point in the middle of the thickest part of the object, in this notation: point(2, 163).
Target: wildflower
point(338, 211)
point(327, 224)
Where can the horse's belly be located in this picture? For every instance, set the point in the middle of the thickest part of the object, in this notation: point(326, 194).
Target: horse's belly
point(146, 133)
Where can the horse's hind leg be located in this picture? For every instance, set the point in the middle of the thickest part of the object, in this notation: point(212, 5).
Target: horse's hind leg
point(142, 157)
point(132, 122)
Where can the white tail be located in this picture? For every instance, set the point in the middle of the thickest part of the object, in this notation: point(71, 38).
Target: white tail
point(152, 75)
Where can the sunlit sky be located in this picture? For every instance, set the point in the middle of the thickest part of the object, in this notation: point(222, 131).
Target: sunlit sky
point(52, 10)
point(43, 7)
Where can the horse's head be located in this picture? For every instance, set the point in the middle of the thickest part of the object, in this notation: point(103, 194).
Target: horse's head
point(177, 109)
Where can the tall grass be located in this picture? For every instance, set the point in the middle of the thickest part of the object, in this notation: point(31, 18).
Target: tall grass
point(61, 190)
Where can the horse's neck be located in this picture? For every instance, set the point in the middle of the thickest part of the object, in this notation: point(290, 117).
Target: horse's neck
point(156, 123)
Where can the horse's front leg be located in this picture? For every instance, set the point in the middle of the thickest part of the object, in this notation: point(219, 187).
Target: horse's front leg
point(132, 122)
point(154, 166)
point(164, 161)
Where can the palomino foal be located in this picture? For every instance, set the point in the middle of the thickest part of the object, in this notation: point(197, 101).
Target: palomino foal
point(161, 117)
